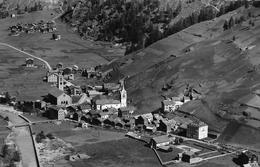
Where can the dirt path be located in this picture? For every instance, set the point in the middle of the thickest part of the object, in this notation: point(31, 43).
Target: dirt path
point(21, 137)
point(40, 59)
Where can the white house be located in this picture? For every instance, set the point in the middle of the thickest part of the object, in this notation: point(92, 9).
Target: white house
point(52, 77)
point(171, 105)
point(197, 130)
point(102, 104)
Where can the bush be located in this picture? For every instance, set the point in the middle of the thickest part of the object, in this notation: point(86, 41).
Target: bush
point(40, 136)
point(6, 119)
point(50, 136)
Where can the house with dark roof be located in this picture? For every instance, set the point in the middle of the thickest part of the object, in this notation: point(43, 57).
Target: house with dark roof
point(159, 141)
point(29, 62)
point(85, 107)
point(54, 112)
point(58, 97)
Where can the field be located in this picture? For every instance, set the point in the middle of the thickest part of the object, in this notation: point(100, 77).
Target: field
point(236, 133)
point(125, 152)
point(24, 83)
point(77, 136)
point(106, 148)
point(69, 50)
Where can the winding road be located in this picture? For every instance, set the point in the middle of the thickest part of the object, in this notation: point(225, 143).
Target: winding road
point(19, 50)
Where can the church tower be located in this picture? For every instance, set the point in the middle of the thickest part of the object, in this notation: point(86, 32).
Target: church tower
point(60, 82)
point(123, 94)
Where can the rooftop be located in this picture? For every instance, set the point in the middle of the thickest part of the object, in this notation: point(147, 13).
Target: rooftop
point(169, 102)
point(107, 101)
point(161, 139)
point(55, 92)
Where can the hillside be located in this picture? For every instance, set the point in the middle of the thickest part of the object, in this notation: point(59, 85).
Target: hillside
point(203, 56)
point(137, 24)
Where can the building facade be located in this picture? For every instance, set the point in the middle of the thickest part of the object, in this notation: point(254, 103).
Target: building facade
point(197, 130)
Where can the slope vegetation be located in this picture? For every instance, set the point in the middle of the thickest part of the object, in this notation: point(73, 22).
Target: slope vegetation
point(221, 65)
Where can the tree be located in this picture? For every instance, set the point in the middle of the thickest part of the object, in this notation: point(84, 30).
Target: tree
point(231, 22)
point(16, 156)
point(225, 26)
point(246, 4)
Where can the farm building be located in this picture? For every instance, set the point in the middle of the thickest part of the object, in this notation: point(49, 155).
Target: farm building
point(29, 62)
point(58, 97)
point(160, 141)
point(190, 157)
point(197, 130)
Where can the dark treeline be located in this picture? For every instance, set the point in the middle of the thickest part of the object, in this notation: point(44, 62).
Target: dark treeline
point(136, 24)
point(5, 11)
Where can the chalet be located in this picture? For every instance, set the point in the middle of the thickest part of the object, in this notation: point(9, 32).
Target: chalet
point(126, 111)
point(52, 76)
point(54, 112)
point(68, 73)
point(85, 107)
point(159, 141)
point(167, 125)
point(197, 130)
point(29, 62)
point(59, 66)
point(58, 97)
point(55, 36)
point(75, 90)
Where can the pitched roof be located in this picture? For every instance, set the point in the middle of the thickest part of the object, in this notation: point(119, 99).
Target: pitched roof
point(107, 101)
point(169, 102)
point(161, 139)
point(76, 98)
point(55, 92)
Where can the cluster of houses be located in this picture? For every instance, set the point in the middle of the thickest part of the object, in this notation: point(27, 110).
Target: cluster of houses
point(42, 26)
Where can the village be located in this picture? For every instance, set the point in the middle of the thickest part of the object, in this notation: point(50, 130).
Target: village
point(168, 132)
point(29, 28)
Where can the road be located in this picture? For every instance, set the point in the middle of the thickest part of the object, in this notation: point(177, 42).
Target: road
point(22, 137)
point(19, 50)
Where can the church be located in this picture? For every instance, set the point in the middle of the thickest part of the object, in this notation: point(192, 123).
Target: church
point(102, 104)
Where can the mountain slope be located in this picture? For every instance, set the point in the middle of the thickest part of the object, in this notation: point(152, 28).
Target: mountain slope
point(203, 56)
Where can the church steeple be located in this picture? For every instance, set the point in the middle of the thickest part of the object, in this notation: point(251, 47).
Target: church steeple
point(123, 94)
